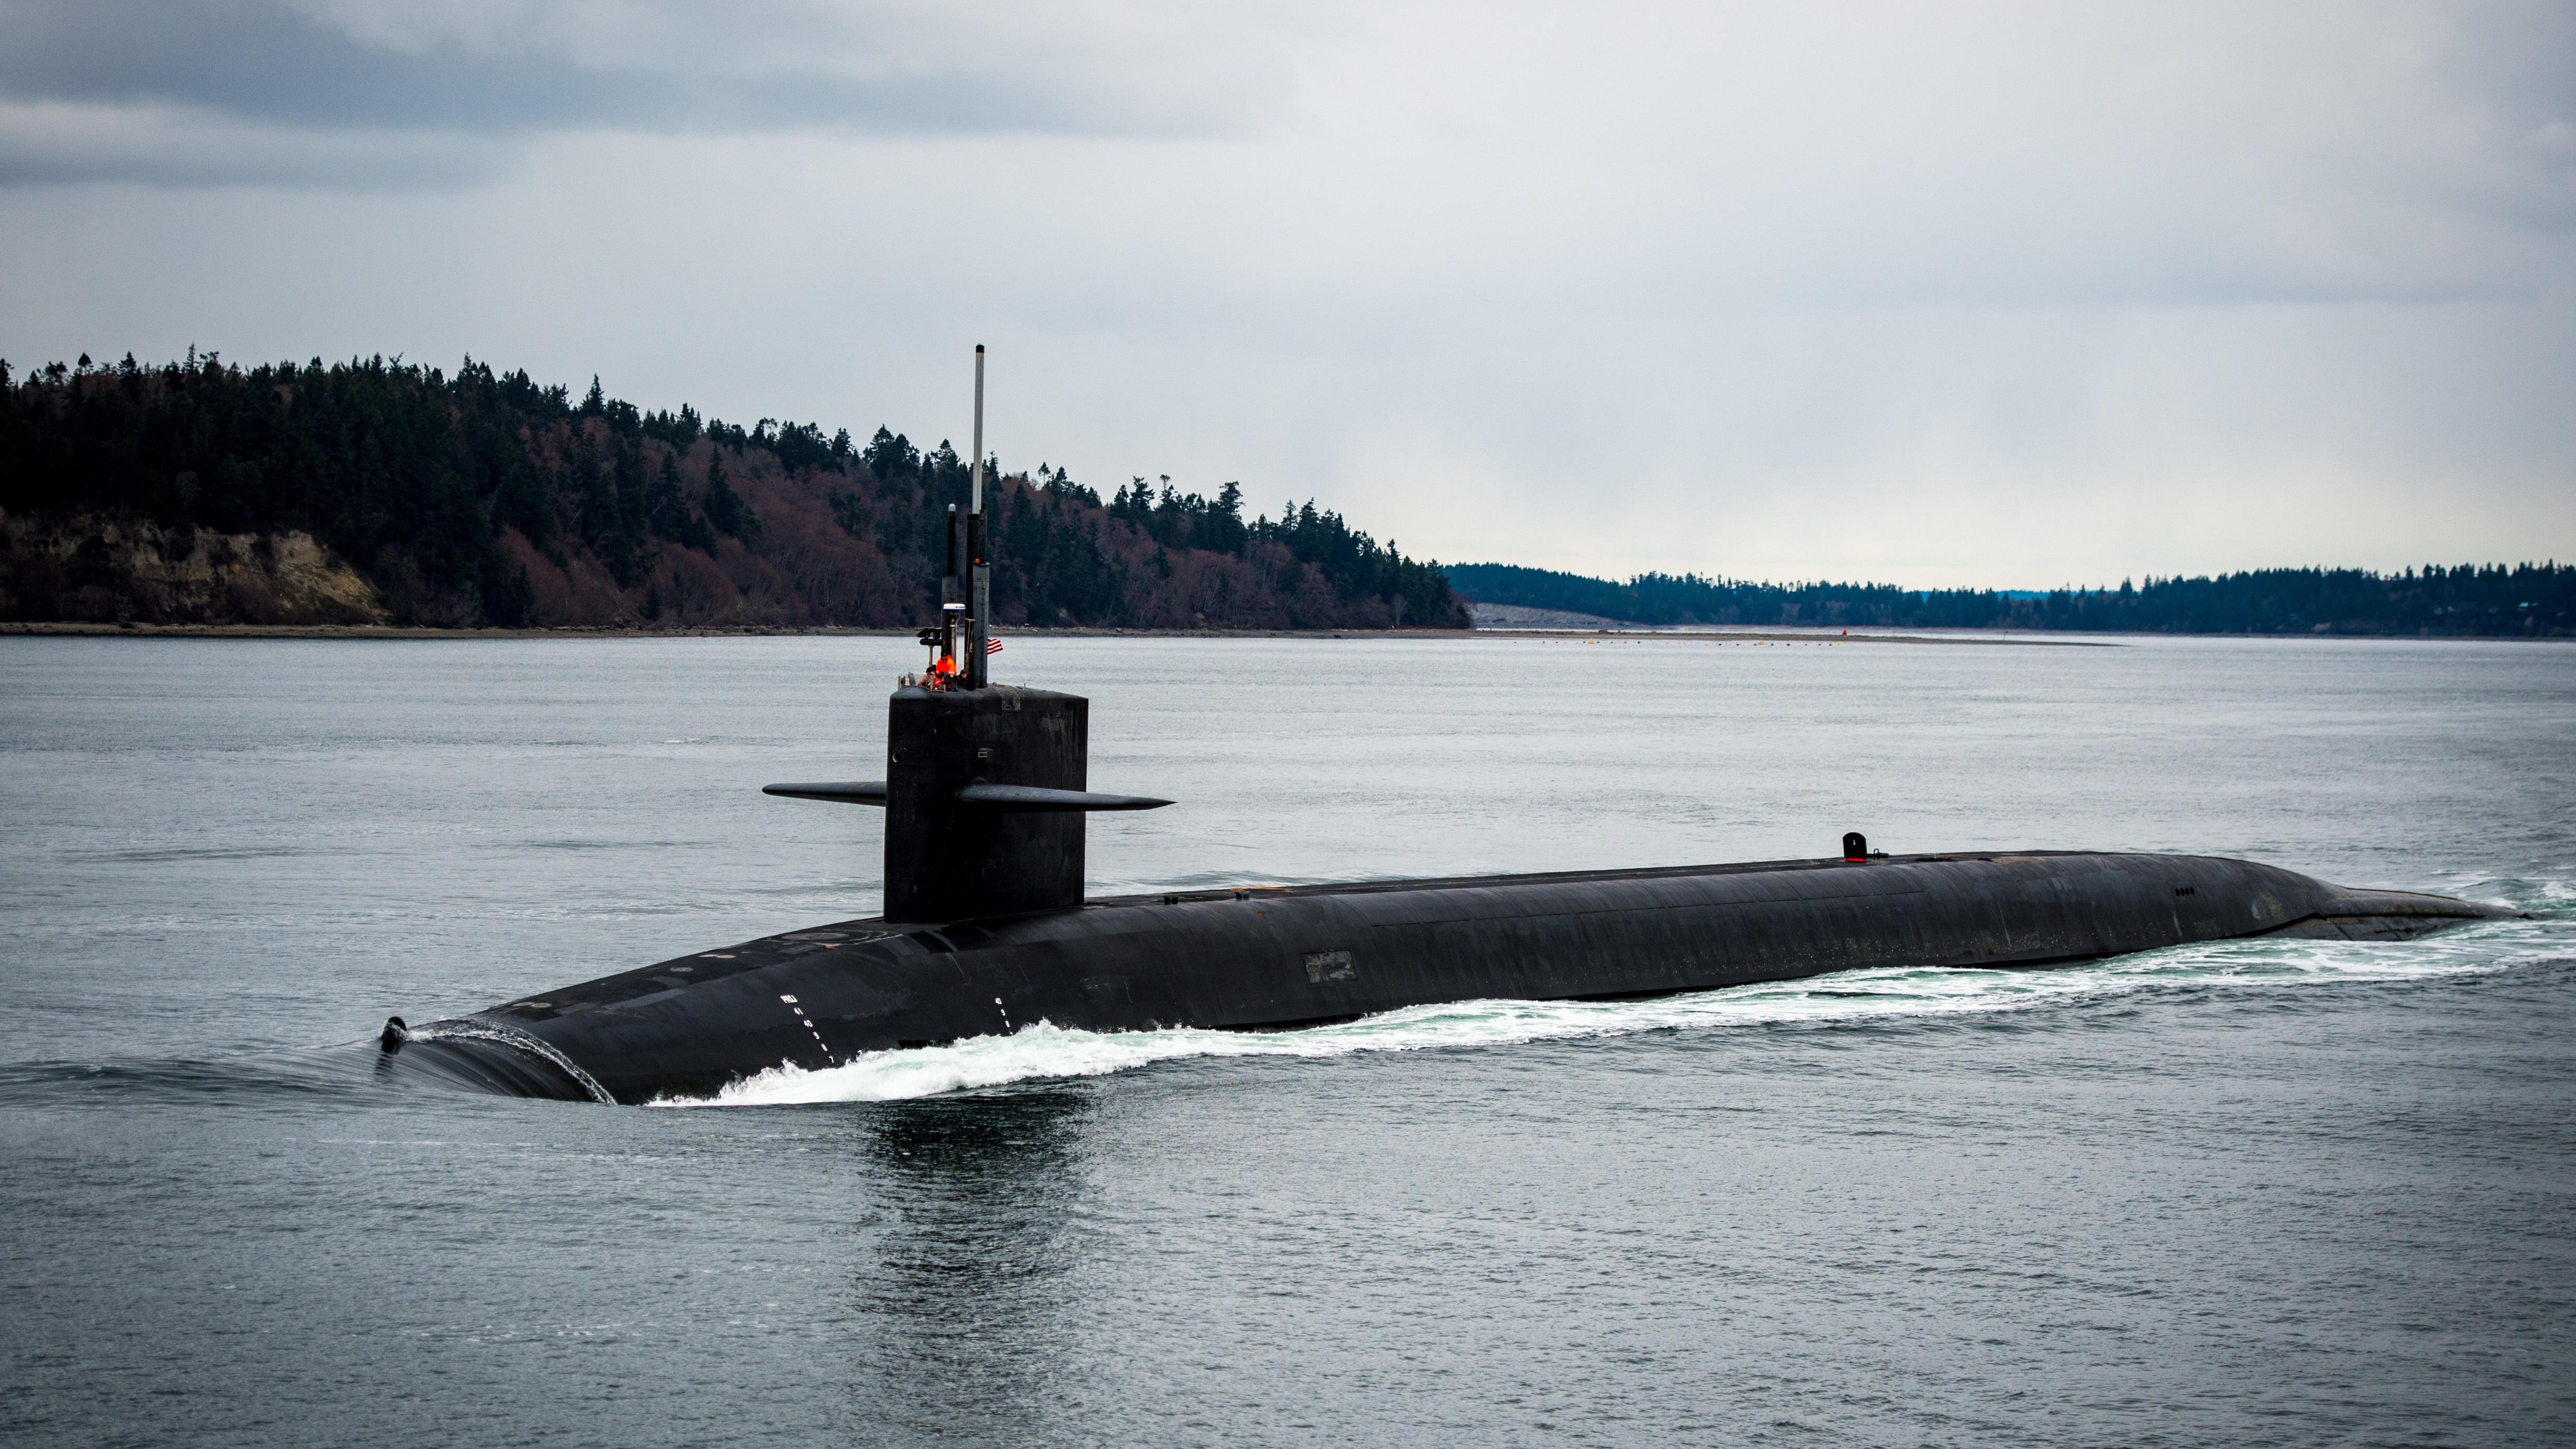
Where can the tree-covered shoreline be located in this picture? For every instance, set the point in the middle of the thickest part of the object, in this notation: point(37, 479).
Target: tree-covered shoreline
point(179, 494)
point(2481, 600)
point(379, 491)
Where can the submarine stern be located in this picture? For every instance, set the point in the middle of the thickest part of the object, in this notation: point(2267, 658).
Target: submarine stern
point(2362, 915)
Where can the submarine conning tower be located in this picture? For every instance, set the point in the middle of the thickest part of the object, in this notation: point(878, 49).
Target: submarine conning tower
point(985, 801)
point(984, 785)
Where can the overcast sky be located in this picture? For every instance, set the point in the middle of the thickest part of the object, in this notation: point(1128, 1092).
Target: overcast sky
point(1932, 294)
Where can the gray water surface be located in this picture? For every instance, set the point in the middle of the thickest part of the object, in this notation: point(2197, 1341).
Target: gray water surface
point(2258, 1193)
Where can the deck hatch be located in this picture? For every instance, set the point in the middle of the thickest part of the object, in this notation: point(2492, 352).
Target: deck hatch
point(1322, 966)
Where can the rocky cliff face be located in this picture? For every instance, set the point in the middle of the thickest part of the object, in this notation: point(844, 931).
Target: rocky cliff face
point(107, 571)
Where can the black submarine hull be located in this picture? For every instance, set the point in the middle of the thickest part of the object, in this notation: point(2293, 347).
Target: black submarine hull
point(1269, 959)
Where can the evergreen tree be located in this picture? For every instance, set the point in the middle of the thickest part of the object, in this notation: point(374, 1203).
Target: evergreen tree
point(725, 508)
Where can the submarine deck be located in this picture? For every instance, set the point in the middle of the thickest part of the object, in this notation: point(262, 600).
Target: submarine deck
point(765, 951)
point(1568, 877)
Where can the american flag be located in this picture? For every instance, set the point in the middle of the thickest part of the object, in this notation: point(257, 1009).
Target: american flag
point(992, 645)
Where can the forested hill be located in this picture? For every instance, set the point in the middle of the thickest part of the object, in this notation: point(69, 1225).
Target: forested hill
point(2476, 599)
point(201, 491)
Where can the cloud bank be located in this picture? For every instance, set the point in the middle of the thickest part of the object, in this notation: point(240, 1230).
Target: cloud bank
point(2001, 294)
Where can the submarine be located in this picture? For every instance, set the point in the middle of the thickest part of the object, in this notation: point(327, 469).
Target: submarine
point(986, 930)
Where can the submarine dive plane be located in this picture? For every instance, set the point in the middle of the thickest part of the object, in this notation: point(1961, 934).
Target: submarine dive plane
point(985, 929)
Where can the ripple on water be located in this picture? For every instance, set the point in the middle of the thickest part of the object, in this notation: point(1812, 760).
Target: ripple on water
point(323, 1072)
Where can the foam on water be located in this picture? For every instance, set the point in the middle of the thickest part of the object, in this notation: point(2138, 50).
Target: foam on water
point(1044, 1051)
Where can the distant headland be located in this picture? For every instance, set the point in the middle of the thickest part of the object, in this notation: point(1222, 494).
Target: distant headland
point(2490, 600)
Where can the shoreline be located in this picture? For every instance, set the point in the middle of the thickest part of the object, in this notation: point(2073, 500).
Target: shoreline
point(70, 629)
point(1741, 635)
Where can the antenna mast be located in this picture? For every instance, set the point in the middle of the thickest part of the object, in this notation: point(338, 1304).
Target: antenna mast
point(979, 585)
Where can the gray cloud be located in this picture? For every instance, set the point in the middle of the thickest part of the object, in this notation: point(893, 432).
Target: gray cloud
point(421, 94)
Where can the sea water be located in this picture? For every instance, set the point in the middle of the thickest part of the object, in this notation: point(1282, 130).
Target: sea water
point(2252, 1193)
